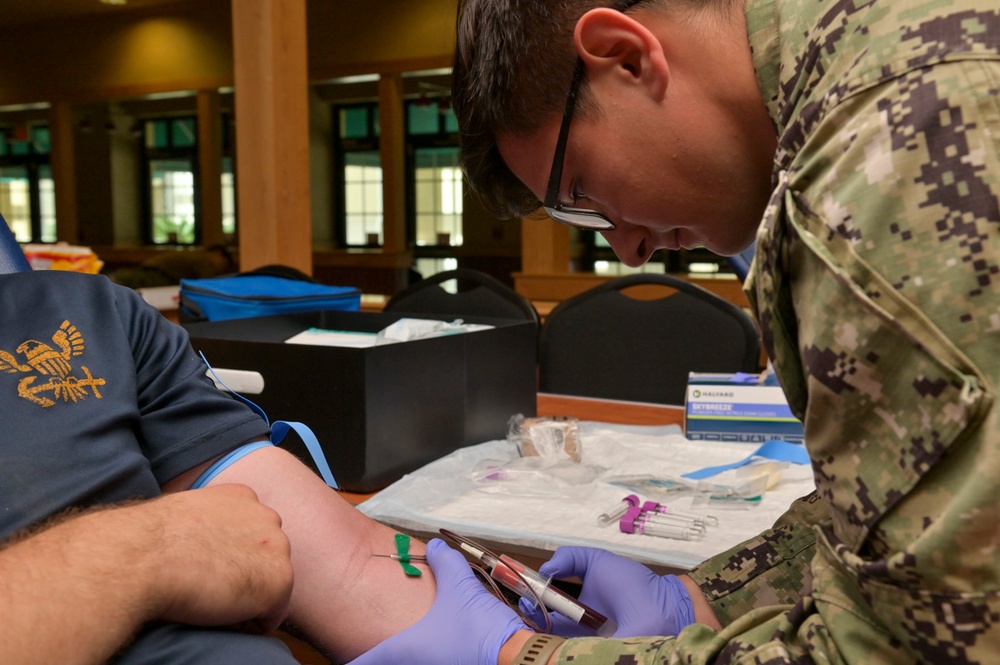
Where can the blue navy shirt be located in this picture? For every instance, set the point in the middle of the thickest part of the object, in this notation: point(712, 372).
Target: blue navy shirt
point(103, 399)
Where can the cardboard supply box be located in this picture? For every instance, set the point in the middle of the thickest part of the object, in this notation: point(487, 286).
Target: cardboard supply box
point(735, 407)
point(382, 411)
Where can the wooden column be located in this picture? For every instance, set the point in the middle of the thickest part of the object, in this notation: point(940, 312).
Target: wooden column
point(63, 163)
point(210, 167)
point(272, 133)
point(544, 246)
point(392, 147)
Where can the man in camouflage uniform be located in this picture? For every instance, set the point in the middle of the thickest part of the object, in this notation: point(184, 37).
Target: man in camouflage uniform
point(876, 283)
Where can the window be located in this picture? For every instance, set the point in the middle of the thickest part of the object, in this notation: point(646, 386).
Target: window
point(228, 176)
point(170, 161)
point(27, 191)
point(363, 198)
point(172, 204)
point(435, 178)
point(228, 198)
point(358, 174)
point(437, 196)
point(430, 266)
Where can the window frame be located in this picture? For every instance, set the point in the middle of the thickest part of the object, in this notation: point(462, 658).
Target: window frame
point(148, 155)
point(33, 161)
point(341, 148)
point(442, 138)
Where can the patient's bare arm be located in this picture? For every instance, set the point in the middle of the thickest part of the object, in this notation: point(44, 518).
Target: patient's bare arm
point(345, 600)
point(75, 591)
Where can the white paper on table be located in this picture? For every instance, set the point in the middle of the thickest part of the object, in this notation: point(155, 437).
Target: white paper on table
point(321, 337)
point(440, 495)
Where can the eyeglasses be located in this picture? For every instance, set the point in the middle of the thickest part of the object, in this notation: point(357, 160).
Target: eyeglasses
point(582, 218)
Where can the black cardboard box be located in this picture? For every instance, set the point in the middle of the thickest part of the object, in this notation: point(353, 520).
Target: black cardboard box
point(383, 411)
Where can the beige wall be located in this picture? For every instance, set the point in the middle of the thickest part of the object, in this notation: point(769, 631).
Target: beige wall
point(182, 46)
point(379, 35)
point(188, 46)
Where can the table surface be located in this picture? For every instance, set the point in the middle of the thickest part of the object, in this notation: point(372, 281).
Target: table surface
point(588, 408)
point(534, 509)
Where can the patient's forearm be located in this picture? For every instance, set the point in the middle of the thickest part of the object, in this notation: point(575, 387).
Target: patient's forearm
point(345, 600)
point(54, 615)
point(76, 591)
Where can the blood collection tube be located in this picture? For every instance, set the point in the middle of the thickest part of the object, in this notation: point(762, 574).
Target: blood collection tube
point(697, 518)
point(672, 520)
point(612, 514)
point(529, 583)
point(638, 520)
point(651, 528)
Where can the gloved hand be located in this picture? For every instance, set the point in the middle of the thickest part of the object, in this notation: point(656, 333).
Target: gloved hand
point(465, 625)
point(640, 601)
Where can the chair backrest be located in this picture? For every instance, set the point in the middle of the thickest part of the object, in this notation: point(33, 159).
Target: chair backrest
point(477, 294)
point(605, 343)
point(12, 258)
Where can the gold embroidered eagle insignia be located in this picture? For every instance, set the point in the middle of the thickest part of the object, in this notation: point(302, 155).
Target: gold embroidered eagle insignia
point(43, 360)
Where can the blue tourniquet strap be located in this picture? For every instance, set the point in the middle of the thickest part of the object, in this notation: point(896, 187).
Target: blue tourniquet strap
point(278, 431)
point(256, 409)
point(281, 427)
point(780, 451)
point(226, 460)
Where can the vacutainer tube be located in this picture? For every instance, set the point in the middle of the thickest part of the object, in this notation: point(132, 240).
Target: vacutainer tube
point(523, 581)
point(613, 513)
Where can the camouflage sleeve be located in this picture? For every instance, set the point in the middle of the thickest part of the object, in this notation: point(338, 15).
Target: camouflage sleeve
point(769, 569)
point(878, 284)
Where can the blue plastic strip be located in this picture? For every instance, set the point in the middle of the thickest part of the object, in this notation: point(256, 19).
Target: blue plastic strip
point(281, 427)
point(278, 431)
point(775, 449)
point(223, 462)
point(256, 409)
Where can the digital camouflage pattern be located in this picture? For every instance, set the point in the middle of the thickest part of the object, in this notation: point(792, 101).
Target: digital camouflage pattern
point(877, 287)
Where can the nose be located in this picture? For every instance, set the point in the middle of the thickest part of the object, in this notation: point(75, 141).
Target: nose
point(631, 244)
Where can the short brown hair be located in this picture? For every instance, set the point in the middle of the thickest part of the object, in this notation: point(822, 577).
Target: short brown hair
point(513, 64)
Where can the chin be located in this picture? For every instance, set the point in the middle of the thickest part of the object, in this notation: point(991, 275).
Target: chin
point(728, 250)
point(733, 244)
point(720, 246)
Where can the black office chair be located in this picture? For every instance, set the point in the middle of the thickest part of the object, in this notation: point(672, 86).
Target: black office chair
point(604, 343)
point(12, 257)
point(476, 294)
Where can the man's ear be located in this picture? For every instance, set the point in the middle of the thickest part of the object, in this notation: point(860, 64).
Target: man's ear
point(612, 43)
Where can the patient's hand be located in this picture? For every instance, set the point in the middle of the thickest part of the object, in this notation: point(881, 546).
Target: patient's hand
point(222, 559)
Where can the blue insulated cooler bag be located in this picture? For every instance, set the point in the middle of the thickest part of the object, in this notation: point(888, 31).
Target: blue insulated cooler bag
point(243, 296)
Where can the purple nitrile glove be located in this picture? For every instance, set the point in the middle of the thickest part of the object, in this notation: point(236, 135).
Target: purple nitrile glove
point(640, 601)
point(465, 625)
